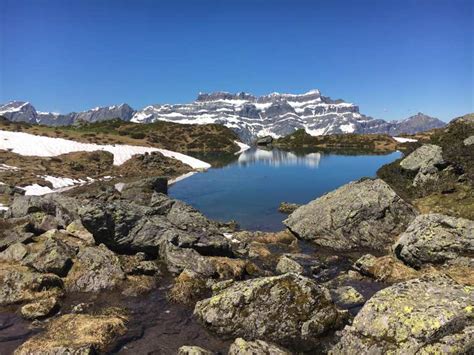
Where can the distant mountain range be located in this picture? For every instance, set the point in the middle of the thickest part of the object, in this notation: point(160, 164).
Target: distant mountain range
point(249, 116)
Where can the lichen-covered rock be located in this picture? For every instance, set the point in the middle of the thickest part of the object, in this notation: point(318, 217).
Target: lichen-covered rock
point(347, 297)
point(433, 312)
point(193, 350)
point(289, 309)
point(75, 334)
point(95, 269)
point(21, 284)
point(385, 268)
point(63, 208)
point(40, 309)
point(256, 347)
point(362, 214)
point(435, 239)
point(425, 156)
point(76, 229)
point(287, 207)
point(15, 252)
point(426, 161)
point(297, 263)
point(51, 255)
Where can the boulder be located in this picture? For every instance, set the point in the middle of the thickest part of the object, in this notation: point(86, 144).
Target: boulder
point(40, 309)
point(435, 239)
point(385, 268)
point(260, 347)
point(347, 297)
point(290, 310)
point(64, 209)
point(426, 161)
point(193, 350)
point(413, 317)
point(21, 284)
point(95, 269)
point(363, 214)
point(15, 252)
point(75, 334)
point(426, 156)
point(297, 263)
point(76, 229)
point(286, 207)
point(51, 255)
point(127, 227)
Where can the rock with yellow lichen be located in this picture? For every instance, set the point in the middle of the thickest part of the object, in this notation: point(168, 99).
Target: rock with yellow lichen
point(432, 313)
point(243, 347)
point(75, 334)
point(289, 309)
point(436, 239)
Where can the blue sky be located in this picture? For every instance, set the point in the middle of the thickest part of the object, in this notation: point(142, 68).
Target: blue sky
point(392, 58)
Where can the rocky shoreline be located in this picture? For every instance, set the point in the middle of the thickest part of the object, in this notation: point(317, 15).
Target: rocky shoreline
point(358, 270)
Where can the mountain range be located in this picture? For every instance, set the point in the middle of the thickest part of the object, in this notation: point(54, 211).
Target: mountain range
point(249, 116)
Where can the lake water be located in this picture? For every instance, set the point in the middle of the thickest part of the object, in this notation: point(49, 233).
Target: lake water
point(249, 189)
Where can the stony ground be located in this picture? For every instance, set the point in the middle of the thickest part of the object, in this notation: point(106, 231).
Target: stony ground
point(359, 270)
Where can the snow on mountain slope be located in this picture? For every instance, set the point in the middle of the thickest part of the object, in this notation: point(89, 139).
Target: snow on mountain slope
point(32, 145)
point(249, 116)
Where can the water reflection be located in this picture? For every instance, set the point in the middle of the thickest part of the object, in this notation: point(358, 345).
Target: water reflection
point(278, 158)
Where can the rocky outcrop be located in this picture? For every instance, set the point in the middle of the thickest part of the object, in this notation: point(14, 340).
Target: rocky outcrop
point(435, 239)
point(76, 334)
point(267, 140)
point(242, 347)
point(287, 309)
point(127, 227)
point(142, 190)
point(416, 316)
point(362, 214)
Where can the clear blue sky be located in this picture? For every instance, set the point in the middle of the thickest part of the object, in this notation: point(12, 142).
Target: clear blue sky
point(392, 58)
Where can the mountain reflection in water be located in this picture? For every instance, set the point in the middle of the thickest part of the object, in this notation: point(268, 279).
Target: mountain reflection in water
point(277, 158)
point(249, 187)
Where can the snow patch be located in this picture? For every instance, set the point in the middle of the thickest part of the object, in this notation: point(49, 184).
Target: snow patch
point(404, 140)
point(32, 145)
point(243, 147)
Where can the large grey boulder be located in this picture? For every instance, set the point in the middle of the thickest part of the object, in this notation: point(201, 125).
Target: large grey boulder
point(290, 310)
point(362, 214)
point(425, 156)
point(413, 317)
point(426, 161)
point(435, 239)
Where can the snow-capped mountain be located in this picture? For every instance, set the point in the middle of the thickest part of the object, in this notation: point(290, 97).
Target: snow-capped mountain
point(248, 115)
